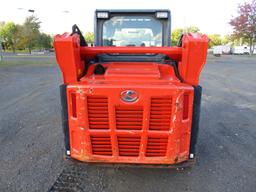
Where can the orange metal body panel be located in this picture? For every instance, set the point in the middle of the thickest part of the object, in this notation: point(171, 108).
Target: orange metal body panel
point(155, 128)
point(67, 50)
point(193, 57)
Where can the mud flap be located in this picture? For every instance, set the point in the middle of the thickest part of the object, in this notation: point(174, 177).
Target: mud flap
point(64, 117)
point(195, 120)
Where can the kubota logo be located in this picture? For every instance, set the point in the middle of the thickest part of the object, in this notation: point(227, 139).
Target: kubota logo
point(129, 95)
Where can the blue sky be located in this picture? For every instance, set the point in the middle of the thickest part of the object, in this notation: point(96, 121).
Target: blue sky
point(57, 16)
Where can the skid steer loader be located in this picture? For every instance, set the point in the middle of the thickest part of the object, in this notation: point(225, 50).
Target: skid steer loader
point(132, 98)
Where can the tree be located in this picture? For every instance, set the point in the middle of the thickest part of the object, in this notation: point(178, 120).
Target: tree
point(227, 39)
point(44, 41)
point(176, 33)
point(26, 36)
point(215, 39)
point(1, 25)
point(244, 25)
point(89, 37)
point(10, 33)
point(30, 32)
point(192, 29)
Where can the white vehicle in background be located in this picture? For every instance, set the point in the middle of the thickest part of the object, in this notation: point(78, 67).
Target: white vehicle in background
point(217, 51)
point(221, 49)
point(226, 49)
point(241, 50)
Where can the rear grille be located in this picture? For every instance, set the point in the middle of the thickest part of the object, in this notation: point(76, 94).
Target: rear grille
point(101, 145)
point(98, 112)
point(129, 117)
point(160, 113)
point(156, 147)
point(129, 146)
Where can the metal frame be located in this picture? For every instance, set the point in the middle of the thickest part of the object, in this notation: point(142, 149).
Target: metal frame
point(98, 24)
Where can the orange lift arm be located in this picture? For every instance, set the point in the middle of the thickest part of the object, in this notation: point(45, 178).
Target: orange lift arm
point(72, 58)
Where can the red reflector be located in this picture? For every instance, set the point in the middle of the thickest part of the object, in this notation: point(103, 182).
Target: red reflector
point(73, 104)
point(185, 106)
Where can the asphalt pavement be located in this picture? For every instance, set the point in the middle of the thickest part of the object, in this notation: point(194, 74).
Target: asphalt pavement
point(31, 154)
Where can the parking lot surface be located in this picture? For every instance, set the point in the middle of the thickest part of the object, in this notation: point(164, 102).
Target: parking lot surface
point(32, 149)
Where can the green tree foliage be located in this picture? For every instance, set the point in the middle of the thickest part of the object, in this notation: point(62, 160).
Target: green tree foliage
point(192, 29)
point(176, 33)
point(244, 25)
point(1, 25)
point(215, 39)
point(226, 40)
point(89, 37)
point(44, 41)
point(26, 36)
point(231, 40)
point(10, 33)
point(30, 32)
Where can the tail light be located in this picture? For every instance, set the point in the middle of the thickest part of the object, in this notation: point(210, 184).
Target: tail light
point(185, 106)
point(73, 104)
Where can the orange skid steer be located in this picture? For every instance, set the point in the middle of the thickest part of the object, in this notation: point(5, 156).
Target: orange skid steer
point(132, 98)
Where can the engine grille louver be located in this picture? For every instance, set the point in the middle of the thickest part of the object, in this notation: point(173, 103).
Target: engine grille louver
point(160, 113)
point(156, 147)
point(129, 117)
point(101, 145)
point(98, 112)
point(129, 146)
